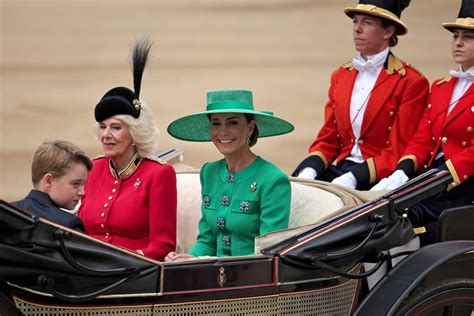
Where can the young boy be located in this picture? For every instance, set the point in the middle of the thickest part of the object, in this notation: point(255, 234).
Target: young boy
point(59, 171)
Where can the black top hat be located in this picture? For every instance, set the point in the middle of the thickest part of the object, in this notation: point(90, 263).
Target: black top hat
point(122, 100)
point(465, 18)
point(386, 9)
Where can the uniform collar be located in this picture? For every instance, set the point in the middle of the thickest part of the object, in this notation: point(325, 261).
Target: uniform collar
point(128, 170)
point(392, 65)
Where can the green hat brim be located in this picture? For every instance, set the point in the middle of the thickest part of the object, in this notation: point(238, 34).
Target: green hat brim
point(196, 127)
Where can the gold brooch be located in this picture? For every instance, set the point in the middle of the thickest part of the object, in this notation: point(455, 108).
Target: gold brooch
point(253, 187)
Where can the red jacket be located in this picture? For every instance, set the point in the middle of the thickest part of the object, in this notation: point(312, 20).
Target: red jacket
point(452, 132)
point(393, 111)
point(138, 213)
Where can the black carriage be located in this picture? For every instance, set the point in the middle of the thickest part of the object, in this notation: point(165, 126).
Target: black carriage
point(47, 269)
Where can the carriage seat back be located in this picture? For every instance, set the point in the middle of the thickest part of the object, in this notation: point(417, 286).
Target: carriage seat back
point(311, 202)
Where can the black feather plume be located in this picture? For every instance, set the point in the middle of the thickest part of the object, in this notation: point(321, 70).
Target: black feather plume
point(403, 4)
point(139, 60)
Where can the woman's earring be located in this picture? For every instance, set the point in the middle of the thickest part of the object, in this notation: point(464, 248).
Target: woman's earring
point(248, 140)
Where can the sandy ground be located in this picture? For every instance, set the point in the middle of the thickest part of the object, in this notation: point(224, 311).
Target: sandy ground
point(59, 57)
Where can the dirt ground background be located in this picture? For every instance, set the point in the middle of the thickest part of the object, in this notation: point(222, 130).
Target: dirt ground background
point(59, 57)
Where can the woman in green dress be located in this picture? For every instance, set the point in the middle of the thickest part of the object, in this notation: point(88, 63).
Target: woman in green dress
point(243, 195)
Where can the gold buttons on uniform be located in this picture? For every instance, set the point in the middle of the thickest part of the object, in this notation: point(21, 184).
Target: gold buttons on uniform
point(429, 106)
point(464, 144)
point(465, 177)
point(469, 129)
point(387, 142)
point(106, 235)
point(334, 122)
point(429, 122)
point(102, 215)
point(106, 204)
point(360, 142)
point(389, 128)
point(110, 198)
point(444, 140)
point(116, 181)
point(114, 190)
point(391, 113)
point(102, 226)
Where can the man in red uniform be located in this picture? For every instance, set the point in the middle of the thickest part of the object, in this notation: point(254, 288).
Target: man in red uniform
point(375, 104)
point(444, 139)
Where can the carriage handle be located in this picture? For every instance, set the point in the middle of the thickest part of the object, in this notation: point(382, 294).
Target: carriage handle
point(377, 219)
point(62, 235)
point(48, 283)
point(316, 264)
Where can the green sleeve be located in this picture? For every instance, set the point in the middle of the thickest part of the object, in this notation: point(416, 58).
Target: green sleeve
point(275, 203)
point(206, 240)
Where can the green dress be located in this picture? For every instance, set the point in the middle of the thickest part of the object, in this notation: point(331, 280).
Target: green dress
point(237, 207)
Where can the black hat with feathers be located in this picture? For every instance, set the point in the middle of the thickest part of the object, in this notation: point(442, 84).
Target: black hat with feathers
point(122, 100)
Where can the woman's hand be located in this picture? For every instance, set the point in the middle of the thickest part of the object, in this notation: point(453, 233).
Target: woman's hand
point(173, 256)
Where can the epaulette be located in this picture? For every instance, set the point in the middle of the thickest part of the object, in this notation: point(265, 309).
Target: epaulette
point(419, 72)
point(99, 157)
point(395, 64)
point(349, 66)
point(158, 160)
point(444, 80)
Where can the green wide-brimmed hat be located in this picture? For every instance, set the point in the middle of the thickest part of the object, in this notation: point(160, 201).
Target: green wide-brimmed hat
point(196, 127)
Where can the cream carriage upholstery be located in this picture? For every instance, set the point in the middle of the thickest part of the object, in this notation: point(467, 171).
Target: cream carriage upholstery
point(311, 202)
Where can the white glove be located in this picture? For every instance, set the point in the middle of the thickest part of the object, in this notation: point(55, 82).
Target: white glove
point(347, 180)
point(308, 173)
point(395, 180)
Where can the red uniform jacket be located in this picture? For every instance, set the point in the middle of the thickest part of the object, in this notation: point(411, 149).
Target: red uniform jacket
point(138, 212)
point(393, 111)
point(451, 132)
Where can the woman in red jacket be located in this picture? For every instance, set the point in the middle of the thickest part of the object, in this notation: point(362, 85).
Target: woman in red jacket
point(130, 197)
point(444, 139)
point(375, 103)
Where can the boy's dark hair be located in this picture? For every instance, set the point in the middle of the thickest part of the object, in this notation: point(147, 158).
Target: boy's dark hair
point(55, 157)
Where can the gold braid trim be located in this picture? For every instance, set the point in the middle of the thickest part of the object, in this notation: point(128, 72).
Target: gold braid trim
point(395, 65)
point(444, 80)
point(454, 174)
point(349, 66)
point(372, 170)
